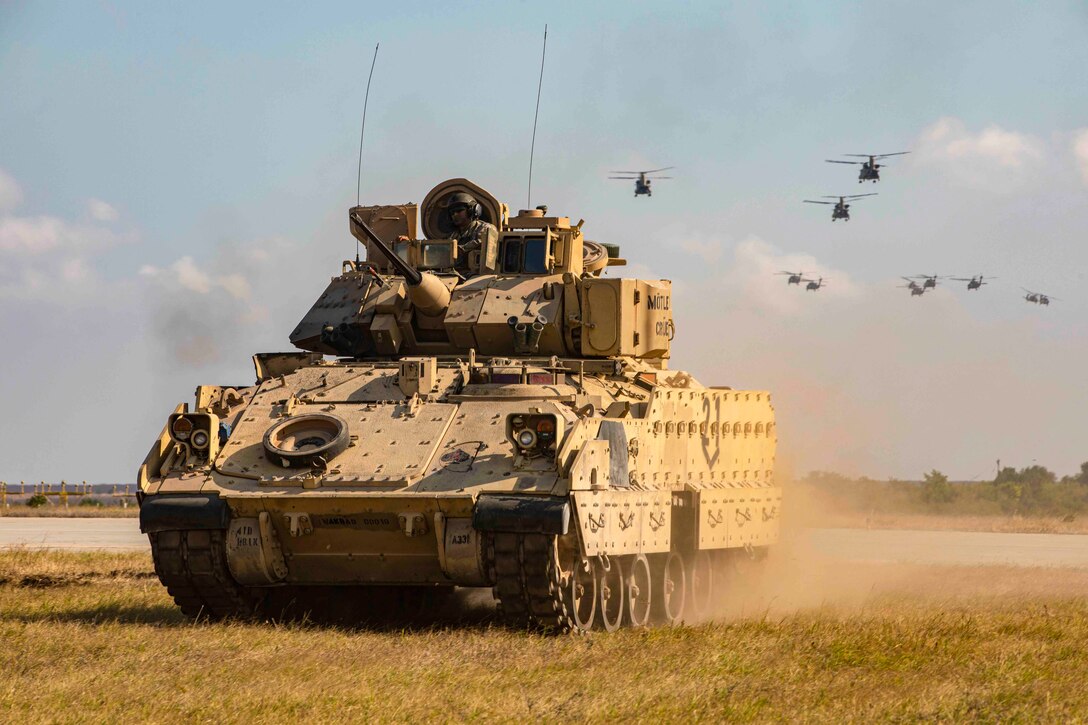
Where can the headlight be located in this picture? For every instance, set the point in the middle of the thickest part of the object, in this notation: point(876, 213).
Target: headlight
point(181, 428)
point(197, 432)
point(534, 434)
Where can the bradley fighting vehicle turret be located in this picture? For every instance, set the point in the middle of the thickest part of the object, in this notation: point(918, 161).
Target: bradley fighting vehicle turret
point(501, 419)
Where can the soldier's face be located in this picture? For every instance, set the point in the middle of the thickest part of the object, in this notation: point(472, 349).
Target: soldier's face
point(459, 217)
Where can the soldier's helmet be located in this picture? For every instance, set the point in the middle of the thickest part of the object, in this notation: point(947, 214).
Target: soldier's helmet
point(462, 200)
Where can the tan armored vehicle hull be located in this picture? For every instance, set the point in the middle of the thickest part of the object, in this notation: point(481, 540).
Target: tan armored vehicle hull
point(586, 490)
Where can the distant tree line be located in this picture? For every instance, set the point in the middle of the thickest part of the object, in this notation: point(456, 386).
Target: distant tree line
point(1031, 491)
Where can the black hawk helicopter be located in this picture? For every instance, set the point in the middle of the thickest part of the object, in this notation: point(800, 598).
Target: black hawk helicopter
point(795, 277)
point(870, 170)
point(842, 209)
point(972, 282)
point(1038, 297)
point(916, 290)
point(930, 280)
point(814, 284)
point(642, 179)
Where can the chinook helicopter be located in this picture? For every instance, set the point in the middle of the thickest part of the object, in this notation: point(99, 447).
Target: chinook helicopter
point(870, 170)
point(916, 290)
point(814, 284)
point(794, 277)
point(972, 282)
point(642, 179)
point(1038, 297)
point(842, 209)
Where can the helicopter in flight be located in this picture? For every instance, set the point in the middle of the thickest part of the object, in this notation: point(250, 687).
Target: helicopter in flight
point(972, 282)
point(930, 280)
point(795, 277)
point(642, 179)
point(916, 290)
point(814, 284)
point(1038, 297)
point(842, 209)
point(870, 170)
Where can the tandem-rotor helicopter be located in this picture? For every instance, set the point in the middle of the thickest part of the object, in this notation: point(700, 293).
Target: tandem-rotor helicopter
point(642, 179)
point(795, 277)
point(842, 209)
point(1038, 297)
point(972, 282)
point(870, 170)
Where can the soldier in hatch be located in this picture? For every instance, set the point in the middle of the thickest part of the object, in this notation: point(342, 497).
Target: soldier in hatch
point(473, 234)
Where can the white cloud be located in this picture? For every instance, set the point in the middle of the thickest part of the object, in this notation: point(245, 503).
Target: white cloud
point(11, 196)
point(948, 139)
point(1080, 152)
point(236, 285)
point(32, 235)
point(101, 211)
point(756, 275)
point(190, 276)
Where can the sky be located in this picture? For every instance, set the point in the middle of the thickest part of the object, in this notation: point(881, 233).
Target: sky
point(174, 181)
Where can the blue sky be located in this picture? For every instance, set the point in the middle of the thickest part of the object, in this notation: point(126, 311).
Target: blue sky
point(173, 182)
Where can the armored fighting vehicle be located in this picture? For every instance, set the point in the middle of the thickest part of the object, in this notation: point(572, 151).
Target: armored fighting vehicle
point(504, 418)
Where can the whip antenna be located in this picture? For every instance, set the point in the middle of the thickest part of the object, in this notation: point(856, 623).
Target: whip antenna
point(362, 131)
point(532, 148)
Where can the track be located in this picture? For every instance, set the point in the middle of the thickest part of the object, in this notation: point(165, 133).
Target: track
point(192, 566)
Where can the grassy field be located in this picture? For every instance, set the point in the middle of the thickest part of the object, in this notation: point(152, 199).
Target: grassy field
point(76, 512)
point(93, 637)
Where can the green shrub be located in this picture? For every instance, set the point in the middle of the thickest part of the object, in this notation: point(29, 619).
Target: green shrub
point(37, 500)
point(87, 501)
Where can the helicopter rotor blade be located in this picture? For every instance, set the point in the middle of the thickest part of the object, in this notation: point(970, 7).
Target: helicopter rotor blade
point(858, 196)
point(624, 178)
point(659, 177)
point(654, 171)
point(810, 201)
point(833, 161)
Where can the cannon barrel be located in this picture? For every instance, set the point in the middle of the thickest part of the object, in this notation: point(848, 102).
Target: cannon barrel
point(427, 292)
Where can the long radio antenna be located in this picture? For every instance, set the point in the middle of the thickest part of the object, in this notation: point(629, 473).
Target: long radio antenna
point(362, 132)
point(532, 148)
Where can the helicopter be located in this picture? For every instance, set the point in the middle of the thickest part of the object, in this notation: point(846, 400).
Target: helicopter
point(795, 277)
point(916, 290)
point(972, 282)
point(642, 179)
point(870, 170)
point(814, 284)
point(1038, 297)
point(842, 209)
point(930, 280)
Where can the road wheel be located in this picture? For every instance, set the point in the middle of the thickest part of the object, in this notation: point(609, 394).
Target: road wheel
point(670, 588)
point(639, 592)
point(702, 584)
point(610, 587)
point(582, 595)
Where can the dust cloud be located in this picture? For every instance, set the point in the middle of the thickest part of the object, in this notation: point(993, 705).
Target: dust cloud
point(795, 577)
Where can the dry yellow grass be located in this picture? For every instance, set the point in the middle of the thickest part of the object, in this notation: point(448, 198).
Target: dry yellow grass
point(74, 511)
point(91, 637)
